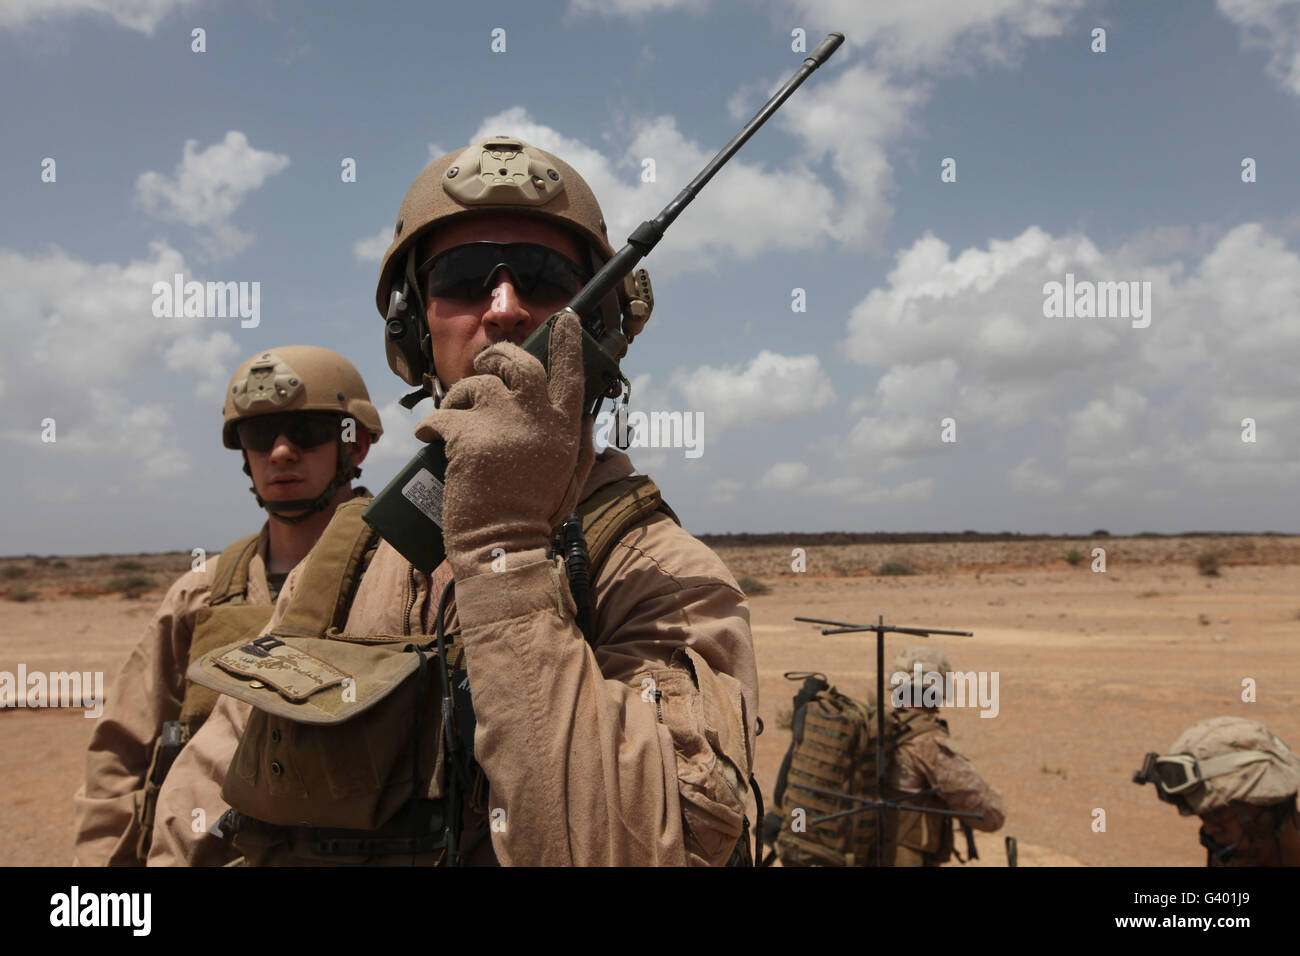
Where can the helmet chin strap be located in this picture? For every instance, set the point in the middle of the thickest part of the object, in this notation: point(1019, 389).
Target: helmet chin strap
point(308, 507)
point(1218, 851)
point(1257, 831)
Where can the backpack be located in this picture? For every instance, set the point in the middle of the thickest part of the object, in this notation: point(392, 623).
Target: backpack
point(832, 747)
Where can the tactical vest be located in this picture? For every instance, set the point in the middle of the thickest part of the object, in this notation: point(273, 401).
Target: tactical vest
point(365, 706)
point(225, 617)
point(919, 839)
point(833, 748)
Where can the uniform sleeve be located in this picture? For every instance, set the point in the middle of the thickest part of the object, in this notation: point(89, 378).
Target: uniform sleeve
point(181, 835)
point(147, 693)
point(636, 753)
point(959, 783)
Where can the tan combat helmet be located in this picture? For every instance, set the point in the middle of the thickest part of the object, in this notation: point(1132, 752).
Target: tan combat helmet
point(299, 378)
point(494, 175)
point(1234, 759)
point(930, 659)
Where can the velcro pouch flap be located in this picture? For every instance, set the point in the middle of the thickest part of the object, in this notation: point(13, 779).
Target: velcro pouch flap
point(307, 679)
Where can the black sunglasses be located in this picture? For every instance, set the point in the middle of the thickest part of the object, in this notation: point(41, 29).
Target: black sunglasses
point(303, 429)
point(466, 271)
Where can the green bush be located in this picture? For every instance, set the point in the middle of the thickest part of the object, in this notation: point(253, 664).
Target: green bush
point(131, 585)
point(785, 718)
point(752, 586)
point(1207, 563)
point(22, 596)
point(14, 571)
point(60, 564)
point(1075, 557)
point(128, 565)
point(895, 567)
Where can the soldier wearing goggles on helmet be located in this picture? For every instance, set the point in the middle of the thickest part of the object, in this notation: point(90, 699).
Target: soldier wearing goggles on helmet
point(1241, 780)
point(622, 736)
point(288, 410)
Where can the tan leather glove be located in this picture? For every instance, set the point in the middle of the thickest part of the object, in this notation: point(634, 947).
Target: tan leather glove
point(518, 451)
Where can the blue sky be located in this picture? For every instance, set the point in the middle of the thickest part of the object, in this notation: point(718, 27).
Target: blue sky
point(924, 298)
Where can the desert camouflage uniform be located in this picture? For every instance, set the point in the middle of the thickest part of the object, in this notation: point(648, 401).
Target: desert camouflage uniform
point(588, 768)
point(148, 693)
point(929, 760)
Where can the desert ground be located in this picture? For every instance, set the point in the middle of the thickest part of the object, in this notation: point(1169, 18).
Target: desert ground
point(1094, 668)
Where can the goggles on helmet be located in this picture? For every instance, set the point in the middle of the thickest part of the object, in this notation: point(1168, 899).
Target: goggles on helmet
point(1177, 774)
point(466, 271)
point(303, 429)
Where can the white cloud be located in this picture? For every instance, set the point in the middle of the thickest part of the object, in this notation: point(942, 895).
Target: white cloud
point(771, 388)
point(1273, 25)
point(207, 359)
point(747, 209)
point(208, 186)
point(140, 15)
point(75, 339)
point(851, 117)
point(784, 476)
point(936, 34)
point(964, 335)
point(398, 444)
point(372, 248)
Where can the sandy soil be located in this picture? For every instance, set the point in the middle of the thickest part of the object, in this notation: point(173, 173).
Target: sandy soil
point(1095, 669)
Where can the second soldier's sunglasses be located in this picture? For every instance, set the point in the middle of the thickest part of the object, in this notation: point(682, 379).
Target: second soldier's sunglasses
point(466, 271)
point(303, 429)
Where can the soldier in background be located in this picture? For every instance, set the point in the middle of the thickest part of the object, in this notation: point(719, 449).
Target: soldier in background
point(287, 409)
point(1241, 780)
point(926, 757)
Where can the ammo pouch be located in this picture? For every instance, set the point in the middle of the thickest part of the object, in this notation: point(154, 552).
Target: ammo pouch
point(336, 727)
point(929, 834)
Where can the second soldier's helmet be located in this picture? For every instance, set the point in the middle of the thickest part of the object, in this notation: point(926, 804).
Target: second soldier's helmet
point(296, 378)
point(1221, 760)
point(499, 174)
point(930, 659)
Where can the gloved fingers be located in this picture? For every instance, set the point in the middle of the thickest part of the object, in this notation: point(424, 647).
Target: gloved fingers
point(582, 468)
point(506, 361)
point(567, 379)
point(474, 391)
point(438, 424)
